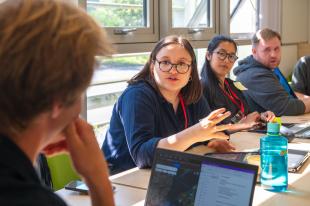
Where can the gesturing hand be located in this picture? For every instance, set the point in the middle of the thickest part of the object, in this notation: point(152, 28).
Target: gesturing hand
point(208, 125)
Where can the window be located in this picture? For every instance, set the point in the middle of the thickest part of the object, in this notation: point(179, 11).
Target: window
point(141, 21)
point(126, 21)
point(194, 19)
point(244, 18)
point(107, 85)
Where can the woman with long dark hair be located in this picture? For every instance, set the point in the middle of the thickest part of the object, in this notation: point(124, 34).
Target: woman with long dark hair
point(221, 91)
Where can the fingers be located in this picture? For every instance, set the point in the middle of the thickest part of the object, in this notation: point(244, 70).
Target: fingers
point(71, 135)
point(223, 127)
point(221, 145)
point(214, 118)
point(254, 116)
point(219, 135)
point(84, 130)
point(215, 113)
point(270, 116)
point(78, 133)
point(240, 126)
point(267, 116)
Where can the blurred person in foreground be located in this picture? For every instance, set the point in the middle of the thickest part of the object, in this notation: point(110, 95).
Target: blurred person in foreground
point(47, 59)
point(301, 77)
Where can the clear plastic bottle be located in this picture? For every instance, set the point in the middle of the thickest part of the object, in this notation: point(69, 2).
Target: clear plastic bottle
point(273, 161)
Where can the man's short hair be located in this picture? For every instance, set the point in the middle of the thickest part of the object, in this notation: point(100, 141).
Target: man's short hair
point(47, 54)
point(265, 34)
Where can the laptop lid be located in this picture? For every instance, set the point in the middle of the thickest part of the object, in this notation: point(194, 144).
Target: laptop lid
point(300, 130)
point(180, 178)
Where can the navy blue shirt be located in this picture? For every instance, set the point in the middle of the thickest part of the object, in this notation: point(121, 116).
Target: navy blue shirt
point(140, 118)
point(19, 182)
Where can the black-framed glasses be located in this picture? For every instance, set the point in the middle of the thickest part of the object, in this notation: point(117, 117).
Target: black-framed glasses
point(222, 55)
point(166, 66)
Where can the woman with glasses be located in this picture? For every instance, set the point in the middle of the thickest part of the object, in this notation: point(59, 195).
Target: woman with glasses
point(161, 107)
point(221, 91)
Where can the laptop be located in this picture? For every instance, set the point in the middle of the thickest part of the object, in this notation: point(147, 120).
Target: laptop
point(290, 130)
point(296, 158)
point(180, 178)
point(300, 130)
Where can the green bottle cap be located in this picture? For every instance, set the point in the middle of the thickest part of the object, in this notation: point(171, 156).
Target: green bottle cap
point(277, 120)
point(273, 127)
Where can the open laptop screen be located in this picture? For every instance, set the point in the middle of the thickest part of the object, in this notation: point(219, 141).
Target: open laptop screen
point(222, 184)
point(185, 179)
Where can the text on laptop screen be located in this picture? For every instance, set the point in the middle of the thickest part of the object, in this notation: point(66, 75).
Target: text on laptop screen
point(223, 185)
point(177, 181)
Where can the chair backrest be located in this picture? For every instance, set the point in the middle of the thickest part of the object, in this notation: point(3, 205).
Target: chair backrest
point(61, 170)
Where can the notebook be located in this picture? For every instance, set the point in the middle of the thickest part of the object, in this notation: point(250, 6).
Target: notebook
point(179, 178)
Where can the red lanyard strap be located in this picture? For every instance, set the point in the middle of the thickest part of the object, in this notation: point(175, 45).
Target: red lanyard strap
point(184, 110)
point(233, 97)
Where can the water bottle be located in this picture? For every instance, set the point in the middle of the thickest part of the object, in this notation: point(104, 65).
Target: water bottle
point(273, 161)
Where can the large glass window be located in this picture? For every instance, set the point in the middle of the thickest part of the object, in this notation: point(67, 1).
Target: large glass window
point(194, 19)
point(126, 21)
point(244, 19)
point(191, 13)
point(107, 85)
point(119, 13)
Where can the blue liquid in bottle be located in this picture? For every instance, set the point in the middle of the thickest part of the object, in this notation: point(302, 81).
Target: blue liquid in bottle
point(273, 151)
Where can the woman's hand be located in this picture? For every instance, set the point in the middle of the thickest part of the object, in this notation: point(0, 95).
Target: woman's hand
point(208, 128)
point(267, 116)
point(221, 145)
point(251, 118)
point(247, 122)
point(204, 130)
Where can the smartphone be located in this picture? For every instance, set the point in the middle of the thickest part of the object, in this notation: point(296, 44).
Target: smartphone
point(77, 185)
point(80, 186)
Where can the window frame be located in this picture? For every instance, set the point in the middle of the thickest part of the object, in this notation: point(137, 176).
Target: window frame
point(245, 36)
point(202, 34)
point(138, 35)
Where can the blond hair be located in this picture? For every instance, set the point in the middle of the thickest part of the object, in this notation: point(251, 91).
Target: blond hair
point(265, 34)
point(47, 53)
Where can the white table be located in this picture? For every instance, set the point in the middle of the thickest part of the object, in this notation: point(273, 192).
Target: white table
point(123, 196)
point(131, 185)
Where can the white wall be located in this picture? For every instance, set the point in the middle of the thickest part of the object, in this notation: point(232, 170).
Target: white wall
point(289, 59)
point(308, 23)
point(294, 25)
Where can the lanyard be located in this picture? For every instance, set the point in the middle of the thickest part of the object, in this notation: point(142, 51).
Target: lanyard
point(184, 110)
point(233, 97)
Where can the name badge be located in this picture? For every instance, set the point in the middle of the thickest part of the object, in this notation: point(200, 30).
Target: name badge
point(240, 86)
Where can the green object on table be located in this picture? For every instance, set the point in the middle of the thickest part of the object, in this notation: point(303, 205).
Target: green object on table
point(61, 170)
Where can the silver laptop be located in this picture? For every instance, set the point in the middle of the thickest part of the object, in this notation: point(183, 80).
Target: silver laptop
point(179, 178)
point(299, 130)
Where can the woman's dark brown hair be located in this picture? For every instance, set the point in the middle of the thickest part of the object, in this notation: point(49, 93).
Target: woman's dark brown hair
point(192, 91)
